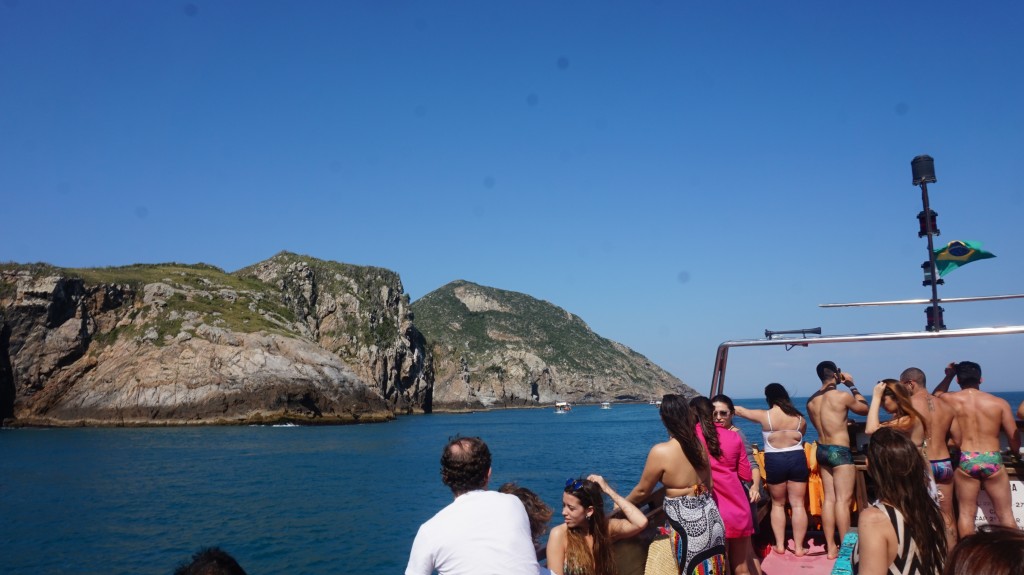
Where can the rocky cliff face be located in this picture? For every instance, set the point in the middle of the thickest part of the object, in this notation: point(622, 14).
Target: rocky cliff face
point(362, 315)
point(291, 338)
point(494, 347)
point(317, 342)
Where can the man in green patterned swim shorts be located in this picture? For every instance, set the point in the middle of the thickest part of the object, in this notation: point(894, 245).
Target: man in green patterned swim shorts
point(981, 417)
point(828, 410)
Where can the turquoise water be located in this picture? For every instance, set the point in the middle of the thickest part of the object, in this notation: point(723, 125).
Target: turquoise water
point(311, 500)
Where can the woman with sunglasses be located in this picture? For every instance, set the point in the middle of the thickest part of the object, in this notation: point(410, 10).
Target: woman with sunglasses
point(583, 544)
point(729, 466)
point(681, 465)
point(785, 464)
point(724, 412)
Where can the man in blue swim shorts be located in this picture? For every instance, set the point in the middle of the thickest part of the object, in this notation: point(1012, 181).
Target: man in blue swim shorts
point(938, 418)
point(828, 409)
point(980, 418)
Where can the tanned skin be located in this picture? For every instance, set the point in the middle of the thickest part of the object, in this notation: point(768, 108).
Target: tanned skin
point(828, 410)
point(979, 418)
point(938, 416)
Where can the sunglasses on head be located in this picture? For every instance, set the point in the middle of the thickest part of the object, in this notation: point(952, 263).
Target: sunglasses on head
point(574, 484)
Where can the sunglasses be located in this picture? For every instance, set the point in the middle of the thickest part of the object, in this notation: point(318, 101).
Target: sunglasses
point(721, 413)
point(574, 484)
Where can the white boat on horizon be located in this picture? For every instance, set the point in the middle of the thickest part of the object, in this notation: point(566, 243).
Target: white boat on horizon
point(562, 407)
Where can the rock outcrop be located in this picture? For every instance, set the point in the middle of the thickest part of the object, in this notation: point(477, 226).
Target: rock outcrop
point(496, 348)
point(362, 315)
point(290, 339)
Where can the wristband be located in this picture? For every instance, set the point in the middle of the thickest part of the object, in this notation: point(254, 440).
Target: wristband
point(854, 390)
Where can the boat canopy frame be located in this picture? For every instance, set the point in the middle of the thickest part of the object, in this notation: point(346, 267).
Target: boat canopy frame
point(722, 357)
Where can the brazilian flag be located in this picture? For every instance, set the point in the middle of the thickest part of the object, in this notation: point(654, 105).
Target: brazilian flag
point(959, 253)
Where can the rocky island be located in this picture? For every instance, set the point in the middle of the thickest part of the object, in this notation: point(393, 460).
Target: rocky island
point(289, 339)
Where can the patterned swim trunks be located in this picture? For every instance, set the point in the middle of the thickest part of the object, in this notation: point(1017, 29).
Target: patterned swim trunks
point(834, 455)
point(980, 464)
point(942, 470)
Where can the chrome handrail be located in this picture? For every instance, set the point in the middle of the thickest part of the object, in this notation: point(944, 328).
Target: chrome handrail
point(722, 356)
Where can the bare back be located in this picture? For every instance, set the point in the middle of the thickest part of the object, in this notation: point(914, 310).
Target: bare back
point(828, 410)
point(783, 430)
point(668, 464)
point(980, 417)
point(939, 417)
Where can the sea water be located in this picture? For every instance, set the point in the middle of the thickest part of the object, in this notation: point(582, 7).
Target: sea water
point(316, 500)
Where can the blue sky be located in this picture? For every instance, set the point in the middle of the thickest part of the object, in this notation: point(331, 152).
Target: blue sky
point(675, 173)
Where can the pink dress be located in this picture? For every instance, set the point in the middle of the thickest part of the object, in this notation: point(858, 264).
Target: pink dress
point(726, 473)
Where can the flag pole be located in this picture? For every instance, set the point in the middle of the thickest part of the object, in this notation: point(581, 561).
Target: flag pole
point(935, 323)
point(923, 168)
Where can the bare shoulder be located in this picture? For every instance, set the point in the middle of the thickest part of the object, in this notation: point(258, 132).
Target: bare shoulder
point(662, 450)
point(951, 397)
point(994, 401)
point(872, 517)
point(557, 534)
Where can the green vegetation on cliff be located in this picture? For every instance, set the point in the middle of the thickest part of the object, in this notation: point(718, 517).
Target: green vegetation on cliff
point(477, 322)
point(353, 295)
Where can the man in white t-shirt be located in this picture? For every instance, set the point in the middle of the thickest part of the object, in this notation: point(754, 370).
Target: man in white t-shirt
point(481, 532)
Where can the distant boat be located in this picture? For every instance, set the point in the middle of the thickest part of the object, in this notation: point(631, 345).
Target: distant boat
point(562, 407)
point(606, 405)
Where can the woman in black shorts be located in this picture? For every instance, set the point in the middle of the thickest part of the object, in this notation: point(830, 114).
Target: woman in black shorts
point(785, 465)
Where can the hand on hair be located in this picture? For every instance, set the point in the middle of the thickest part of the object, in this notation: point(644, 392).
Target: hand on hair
point(951, 369)
point(599, 481)
point(845, 378)
point(879, 389)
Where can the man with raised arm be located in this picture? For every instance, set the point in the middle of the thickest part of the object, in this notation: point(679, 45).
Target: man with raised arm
point(828, 410)
point(481, 531)
point(938, 418)
point(979, 418)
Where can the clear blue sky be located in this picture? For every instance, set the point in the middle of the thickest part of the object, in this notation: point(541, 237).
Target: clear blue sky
point(675, 173)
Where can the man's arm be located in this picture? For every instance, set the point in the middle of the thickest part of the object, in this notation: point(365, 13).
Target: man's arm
point(943, 386)
point(859, 405)
point(1020, 411)
point(1010, 429)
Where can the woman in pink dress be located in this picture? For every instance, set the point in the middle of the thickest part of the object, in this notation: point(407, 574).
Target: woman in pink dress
point(729, 465)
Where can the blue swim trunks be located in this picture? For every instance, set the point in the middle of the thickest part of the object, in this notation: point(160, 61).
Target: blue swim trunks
point(942, 470)
point(834, 455)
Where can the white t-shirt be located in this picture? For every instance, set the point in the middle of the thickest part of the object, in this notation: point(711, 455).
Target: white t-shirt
point(480, 533)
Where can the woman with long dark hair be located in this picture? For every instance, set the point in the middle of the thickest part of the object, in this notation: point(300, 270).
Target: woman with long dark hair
point(725, 411)
point(583, 544)
point(681, 465)
point(903, 532)
point(729, 466)
point(893, 397)
point(785, 464)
